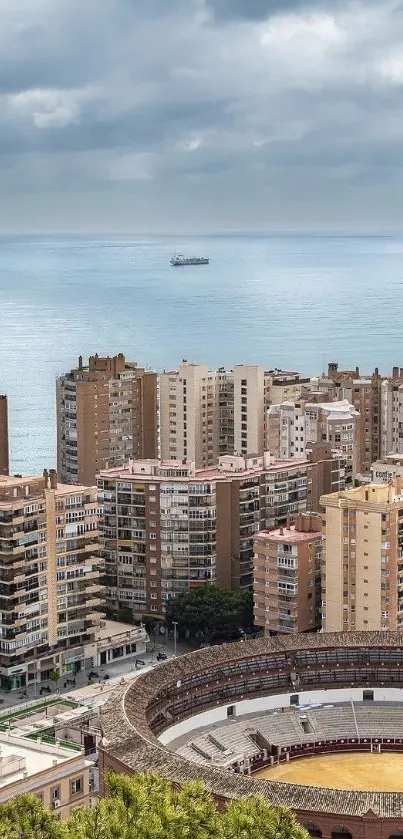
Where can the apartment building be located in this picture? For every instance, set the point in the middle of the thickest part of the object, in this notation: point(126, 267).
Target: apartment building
point(392, 413)
point(50, 592)
point(168, 527)
point(363, 565)
point(226, 440)
point(58, 774)
point(287, 576)
point(292, 426)
point(189, 414)
point(106, 414)
point(249, 424)
point(4, 446)
point(207, 413)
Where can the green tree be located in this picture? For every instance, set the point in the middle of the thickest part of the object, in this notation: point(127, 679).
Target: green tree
point(149, 807)
point(25, 817)
point(211, 612)
point(256, 819)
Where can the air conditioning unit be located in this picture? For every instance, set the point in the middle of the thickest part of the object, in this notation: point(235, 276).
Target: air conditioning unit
point(57, 803)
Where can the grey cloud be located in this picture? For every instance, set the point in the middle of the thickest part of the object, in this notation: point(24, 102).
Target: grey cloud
point(256, 9)
point(148, 100)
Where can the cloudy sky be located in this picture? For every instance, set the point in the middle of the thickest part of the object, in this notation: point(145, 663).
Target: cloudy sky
point(201, 115)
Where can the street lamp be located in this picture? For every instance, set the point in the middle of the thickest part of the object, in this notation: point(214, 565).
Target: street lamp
point(174, 624)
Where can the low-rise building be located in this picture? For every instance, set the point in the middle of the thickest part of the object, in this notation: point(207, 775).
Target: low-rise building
point(58, 774)
point(287, 576)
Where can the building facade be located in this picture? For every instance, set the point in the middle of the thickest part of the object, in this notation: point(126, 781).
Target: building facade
point(293, 426)
point(189, 411)
point(50, 591)
point(287, 576)
point(168, 527)
point(207, 413)
point(363, 562)
point(106, 414)
point(58, 774)
point(392, 414)
point(4, 445)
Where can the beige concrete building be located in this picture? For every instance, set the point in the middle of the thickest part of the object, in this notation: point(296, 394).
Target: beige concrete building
point(363, 566)
point(106, 414)
point(249, 388)
point(189, 414)
point(50, 590)
point(287, 576)
point(207, 413)
point(4, 445)
point(51, 596)
point(293, 426)
point(59, 774)
point(169, 527)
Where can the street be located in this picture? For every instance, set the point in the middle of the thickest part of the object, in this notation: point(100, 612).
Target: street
point(113, 670)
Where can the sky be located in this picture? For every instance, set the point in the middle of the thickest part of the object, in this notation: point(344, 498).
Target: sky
point(184, 116)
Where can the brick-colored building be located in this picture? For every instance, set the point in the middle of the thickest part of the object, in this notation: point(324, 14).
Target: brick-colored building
point(106, 415)
point(4, 445)
point(287, 576)
point(168, 527)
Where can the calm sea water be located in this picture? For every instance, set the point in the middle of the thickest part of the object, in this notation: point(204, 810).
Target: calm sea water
point(291, 302)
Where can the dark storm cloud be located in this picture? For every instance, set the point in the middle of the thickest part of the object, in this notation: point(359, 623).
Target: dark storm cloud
point(199, 111)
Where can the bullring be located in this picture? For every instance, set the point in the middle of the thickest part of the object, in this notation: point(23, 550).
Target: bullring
point(252, 682)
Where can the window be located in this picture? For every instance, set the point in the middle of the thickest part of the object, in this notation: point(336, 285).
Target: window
point(55, 793)
point(77, 786)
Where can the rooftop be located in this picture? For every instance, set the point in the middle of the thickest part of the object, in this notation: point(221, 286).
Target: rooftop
point(288, 534)
point(371, 494)
point(229, 466)
point(22, 758)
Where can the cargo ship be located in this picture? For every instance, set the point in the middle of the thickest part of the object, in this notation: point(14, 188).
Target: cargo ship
point(179, 259)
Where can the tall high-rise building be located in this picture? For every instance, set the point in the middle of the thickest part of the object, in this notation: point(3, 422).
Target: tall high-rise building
point(189, 414)
point(249, 404)
point(50, 590)
point(363, 565)
point(106, 415)
point(4, 445)
point(293, 426)
point(168, 527)
point(287, 576)
point(207, 413)
point(392, 414)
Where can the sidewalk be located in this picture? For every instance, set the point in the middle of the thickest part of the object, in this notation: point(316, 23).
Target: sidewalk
point(113, 670)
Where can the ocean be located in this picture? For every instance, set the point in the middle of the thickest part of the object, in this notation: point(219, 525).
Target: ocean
point(294, 302)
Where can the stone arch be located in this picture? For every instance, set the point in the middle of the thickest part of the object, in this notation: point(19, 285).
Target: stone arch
point(313, 830)
point(341, 833)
